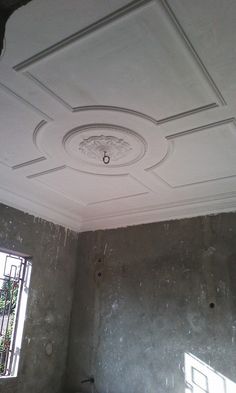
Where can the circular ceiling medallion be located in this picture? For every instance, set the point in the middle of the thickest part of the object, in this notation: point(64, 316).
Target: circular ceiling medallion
point(102, 141)
point(91, 142)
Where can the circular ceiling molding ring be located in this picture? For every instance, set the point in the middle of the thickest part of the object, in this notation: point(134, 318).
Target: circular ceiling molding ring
point(89, 143)
point(112, 108)
point(79, 140)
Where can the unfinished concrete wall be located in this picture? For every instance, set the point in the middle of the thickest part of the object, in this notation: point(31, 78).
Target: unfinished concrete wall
point(147, 295)
point(54, 255)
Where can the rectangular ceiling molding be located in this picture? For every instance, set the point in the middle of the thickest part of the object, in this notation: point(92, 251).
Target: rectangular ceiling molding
point(28, 163)
point(25, 65)
point(24, 102)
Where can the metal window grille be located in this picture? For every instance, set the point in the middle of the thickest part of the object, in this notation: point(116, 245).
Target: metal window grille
point(11, 285)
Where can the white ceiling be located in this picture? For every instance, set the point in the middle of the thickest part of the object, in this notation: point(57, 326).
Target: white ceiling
point(154, 82)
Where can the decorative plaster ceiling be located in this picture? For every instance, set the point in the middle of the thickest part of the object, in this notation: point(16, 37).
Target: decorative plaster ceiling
point(146, 83)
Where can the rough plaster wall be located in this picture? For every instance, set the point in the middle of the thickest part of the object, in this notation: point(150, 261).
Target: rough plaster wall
point(54, 251)
point(132, 323)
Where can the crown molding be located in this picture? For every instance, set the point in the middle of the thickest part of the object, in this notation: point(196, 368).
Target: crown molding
point(37, 209)
point(164, 212)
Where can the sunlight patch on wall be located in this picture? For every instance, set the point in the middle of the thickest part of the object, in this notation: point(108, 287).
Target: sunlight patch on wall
point(200, 378)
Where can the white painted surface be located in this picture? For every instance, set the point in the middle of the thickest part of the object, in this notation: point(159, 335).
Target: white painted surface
point(200, 377)
point(150, 76)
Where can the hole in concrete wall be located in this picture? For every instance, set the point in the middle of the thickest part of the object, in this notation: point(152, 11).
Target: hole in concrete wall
point(211, 305)
point(99, 260)
point(99, 274)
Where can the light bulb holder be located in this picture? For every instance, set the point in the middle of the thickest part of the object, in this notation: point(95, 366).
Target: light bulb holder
point(106, 158)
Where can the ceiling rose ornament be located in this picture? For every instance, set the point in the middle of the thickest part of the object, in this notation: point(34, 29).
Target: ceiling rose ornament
point(136, 143)
point(105, 145)
point(107, 148)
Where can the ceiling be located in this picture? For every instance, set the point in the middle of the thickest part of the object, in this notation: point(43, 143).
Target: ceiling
point(150, 83)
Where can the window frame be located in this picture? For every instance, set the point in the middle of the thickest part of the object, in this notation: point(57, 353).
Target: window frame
point(11, 365)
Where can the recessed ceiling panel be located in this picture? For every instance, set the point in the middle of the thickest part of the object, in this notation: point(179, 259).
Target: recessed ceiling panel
point(87, 189)
point(17, 127)
point(139, 61)
point(200, 155)
point(118, 118)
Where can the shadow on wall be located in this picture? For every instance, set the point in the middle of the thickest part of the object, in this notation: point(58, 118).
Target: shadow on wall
point(200, 378)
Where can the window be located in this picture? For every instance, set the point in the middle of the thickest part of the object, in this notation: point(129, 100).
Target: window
point(14, 284)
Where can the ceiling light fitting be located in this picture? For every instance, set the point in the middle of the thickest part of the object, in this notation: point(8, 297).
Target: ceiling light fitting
point(106, 158)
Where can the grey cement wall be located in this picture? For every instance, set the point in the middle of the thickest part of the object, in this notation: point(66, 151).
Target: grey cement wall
point(142, 300)
point(54, 252)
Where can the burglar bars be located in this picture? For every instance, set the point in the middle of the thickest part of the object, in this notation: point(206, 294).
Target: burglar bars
point(11, 283)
